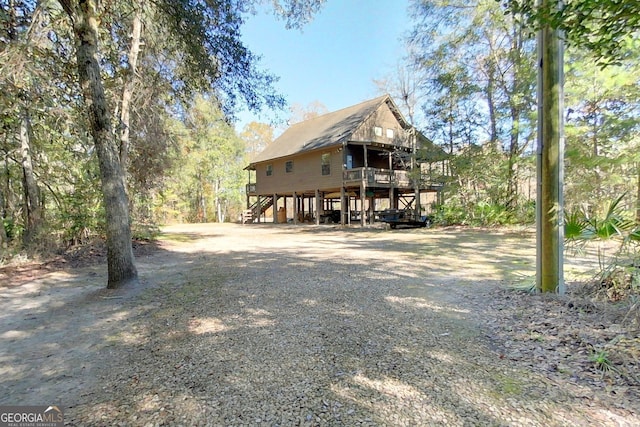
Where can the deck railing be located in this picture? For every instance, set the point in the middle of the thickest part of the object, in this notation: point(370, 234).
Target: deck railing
point(374, 176)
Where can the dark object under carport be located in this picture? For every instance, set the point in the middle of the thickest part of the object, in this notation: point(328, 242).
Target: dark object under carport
point(406, 218)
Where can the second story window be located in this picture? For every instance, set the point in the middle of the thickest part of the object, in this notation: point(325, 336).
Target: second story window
point(390, 133)
point(326, 164)
point(288, 167)
point(269, 170)
point(377, 130)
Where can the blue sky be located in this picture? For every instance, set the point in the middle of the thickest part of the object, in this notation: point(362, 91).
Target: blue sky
point(335, 58)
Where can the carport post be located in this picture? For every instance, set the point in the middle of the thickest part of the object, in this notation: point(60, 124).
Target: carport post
point(274, 207)
point(258, 208)
point(318, 206)
point(342, 206)
point(363, 198)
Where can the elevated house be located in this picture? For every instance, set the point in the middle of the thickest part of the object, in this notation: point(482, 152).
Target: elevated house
point(345, 166)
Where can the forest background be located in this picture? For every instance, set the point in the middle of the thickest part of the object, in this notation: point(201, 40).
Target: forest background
point(468, 82)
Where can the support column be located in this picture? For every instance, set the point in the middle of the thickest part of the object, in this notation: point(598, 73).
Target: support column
point(363, 198)
point(417, 177)
point(295, 208)
point(372, 209)
point(286, 209)
point(392, 180)
point(318, 207)
point(343, 206)
point(247, 191)
point(258, 208)
point(366, 160)
point(274, 207)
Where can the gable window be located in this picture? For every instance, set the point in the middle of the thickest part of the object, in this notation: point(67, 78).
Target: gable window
point(326, 164)
point(377, 130)
point(390, 133)
point(269, 170)
point(288, 167)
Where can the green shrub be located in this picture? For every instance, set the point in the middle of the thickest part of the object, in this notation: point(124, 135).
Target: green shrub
point(617, 236)
point(482, 214)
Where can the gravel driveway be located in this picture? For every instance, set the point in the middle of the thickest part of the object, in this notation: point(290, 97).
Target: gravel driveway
point(289, 325)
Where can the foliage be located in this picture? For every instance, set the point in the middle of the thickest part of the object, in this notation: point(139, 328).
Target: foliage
point(188, 47)
point(300, 113)
point(616, 235)
point(602, 125)
point(581, 226)
point(257, 136)
point(481, 214)
point(476, 71)
point(606, 28)
point(601, 360)
point(208, 178)
point(476, 75)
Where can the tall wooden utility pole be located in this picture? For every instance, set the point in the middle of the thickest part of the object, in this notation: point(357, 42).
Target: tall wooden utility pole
point(550, 164)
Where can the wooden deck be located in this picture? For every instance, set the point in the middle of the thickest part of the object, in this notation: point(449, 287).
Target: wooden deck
point(374, 177)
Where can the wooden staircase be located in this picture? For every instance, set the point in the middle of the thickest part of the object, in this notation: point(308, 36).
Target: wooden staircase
point(257, 209)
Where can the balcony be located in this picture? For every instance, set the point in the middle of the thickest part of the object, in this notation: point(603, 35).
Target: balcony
point(377, 177)
point(251, 189)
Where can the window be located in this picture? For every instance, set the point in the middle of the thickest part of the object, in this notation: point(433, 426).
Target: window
point(349, 164)
point(390, 133)
point(288, 167)
point(326, 164)
point(269, 170)
point(377, 130)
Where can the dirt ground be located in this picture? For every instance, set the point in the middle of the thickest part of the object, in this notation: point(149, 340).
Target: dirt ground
point(305, 325)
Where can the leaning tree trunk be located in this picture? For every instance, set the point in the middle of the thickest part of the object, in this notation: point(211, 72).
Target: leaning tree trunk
point(120, 262)
point(33, 209)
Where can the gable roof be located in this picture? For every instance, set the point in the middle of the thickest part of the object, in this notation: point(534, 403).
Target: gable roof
point(325, 131)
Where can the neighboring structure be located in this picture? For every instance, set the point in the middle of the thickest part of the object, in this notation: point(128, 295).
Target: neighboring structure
point(345, 166)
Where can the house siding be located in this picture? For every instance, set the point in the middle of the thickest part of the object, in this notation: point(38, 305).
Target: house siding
point(305, 177)
point(385, 119)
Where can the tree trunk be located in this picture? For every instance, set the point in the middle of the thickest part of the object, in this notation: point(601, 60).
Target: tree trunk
point(218, 201)
point(550, 221)
point(3, 233)
point(32, 207)
point(120, 262)
point(512, 177)
point(493, 121)
point(451, 138)
point(638, 195)
point(129, 83)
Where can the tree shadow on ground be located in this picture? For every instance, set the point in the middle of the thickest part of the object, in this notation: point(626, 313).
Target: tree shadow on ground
point(346, 329)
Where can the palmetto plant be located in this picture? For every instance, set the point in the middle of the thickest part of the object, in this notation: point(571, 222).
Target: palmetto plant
point(616, 223)
point(617, 236)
